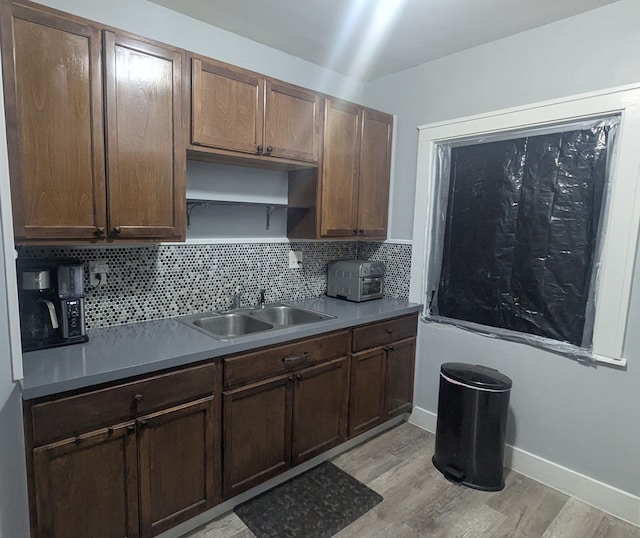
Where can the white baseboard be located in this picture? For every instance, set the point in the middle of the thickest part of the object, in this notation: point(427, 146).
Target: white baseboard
point(607, 498)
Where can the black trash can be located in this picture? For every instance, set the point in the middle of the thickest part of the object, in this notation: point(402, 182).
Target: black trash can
point(473, 404)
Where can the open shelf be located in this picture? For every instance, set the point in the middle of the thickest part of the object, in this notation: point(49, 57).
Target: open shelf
point(270, 207)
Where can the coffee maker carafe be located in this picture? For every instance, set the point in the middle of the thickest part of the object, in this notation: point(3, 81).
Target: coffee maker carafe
point(51, 303)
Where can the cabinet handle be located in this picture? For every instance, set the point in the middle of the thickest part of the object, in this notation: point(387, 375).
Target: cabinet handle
point(259, 151)
point(99, 231)
point(131, 429)
point(290, 378)
point(137, 398)
point(143, 423)
point(269, 150)
point(296, 358)
point(116, 230)
point(388, 348)
point(298, 377)
point(77, 441)
point(389, 331)
point(110, 430)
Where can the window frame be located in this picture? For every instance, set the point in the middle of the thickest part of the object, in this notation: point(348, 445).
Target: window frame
point(612, 296)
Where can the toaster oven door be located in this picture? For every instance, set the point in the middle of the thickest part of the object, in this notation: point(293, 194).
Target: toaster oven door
point(371, 288)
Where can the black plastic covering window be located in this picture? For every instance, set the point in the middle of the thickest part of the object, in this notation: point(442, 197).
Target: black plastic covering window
point(521, 232)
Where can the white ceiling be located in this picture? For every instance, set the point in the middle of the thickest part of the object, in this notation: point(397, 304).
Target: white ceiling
point(366, 39)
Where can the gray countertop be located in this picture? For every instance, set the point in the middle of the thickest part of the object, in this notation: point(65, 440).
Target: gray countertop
point(115, 353)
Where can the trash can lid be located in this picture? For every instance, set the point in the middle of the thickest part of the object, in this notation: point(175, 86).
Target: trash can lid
point(476, 375)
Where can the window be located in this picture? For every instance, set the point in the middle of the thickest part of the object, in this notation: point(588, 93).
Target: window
point(512, 236)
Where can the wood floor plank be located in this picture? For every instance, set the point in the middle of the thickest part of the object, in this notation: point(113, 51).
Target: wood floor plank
point(575, 519)
point(419, 502)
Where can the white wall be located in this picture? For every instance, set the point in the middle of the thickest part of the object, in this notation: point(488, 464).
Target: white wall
point(595, 50)
point(13, 478)
point(584, 418)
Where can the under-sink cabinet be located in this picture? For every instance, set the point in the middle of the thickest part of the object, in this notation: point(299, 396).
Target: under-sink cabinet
point(382, 372)
point(282, 406)
point(97, 145)
point(128, 460)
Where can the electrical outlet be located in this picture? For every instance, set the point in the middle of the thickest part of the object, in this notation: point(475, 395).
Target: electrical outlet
point(295, 259)
point(98, 270)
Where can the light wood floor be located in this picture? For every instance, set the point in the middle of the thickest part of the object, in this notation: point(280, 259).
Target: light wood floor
point(418, 501)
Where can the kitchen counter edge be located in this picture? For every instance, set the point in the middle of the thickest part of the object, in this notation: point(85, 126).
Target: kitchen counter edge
point(124, 351)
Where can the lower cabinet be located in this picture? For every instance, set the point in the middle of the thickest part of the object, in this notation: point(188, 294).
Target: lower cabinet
point(134, 459)
point(382, 373)
point(130, 478)
point(177, 465)
point(256, 434)
point(87, 486)
point(274, 424)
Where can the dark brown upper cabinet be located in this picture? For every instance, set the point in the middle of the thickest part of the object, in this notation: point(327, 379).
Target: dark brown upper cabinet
point(239, 116)
point(72, 91)
point(146, 157)
point(354, 183)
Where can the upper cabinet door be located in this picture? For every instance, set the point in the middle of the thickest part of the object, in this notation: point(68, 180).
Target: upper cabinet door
point(53, 100)
point(227, 107)
point(145, 139)
point(293, 121)
point(375, 163)
point(340, 168)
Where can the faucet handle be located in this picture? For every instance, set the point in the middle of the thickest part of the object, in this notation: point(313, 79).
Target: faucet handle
point(262, 298)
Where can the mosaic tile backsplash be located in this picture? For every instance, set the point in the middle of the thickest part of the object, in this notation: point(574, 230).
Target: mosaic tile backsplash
point(163, 281)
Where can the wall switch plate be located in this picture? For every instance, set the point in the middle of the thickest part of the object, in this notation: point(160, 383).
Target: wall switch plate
point(295, 259)
point(98, 270)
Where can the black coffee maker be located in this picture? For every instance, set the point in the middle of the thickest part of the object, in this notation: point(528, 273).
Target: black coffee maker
point(51, 296)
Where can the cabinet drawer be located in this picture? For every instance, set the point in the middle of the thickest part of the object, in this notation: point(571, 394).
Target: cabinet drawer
point(73, 415)
point(277, 360)
point(378, 334)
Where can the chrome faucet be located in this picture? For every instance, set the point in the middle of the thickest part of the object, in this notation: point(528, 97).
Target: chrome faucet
point(261, 301)
point(236, 300)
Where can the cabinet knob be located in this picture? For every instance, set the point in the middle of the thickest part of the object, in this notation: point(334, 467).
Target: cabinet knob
point(110, 430)
point(137, 398)
point(355, 232)
point(269, 150)
point(360, 232)
point(99, 231)
point(77, 441)
point(388, 348)
point(389, 331)
point(116, 230)
point(298, 377)
point(143, 423)
point(259, 150)
point(131, 429)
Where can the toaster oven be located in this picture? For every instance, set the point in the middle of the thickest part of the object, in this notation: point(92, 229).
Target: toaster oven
point(355, 280)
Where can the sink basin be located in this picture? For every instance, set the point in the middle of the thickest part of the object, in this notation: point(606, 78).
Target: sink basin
point(229, 325)
point(287, 315)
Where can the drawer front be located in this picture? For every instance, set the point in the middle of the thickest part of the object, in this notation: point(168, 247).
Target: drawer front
point(279, 360)
point(73, 415)
point(379, 334)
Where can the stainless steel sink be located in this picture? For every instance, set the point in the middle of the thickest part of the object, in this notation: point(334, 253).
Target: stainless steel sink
point(237, 323)
point(287, 315)
point(226, 326)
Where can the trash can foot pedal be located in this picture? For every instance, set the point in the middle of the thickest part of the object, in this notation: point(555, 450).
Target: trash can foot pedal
point(453, 475)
